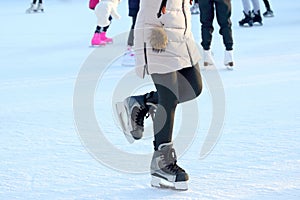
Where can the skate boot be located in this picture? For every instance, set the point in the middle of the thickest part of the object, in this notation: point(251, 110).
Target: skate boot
point(195, 9)
point(228, 59)
point(208, 58)
point(104, 38)
point(132, 111)
point(129, 57)
point(257, 17)
point(164, 169)
point(31, 8)
point(247, 20)
point(96, 40)
point(268, 13)
point(39, 8)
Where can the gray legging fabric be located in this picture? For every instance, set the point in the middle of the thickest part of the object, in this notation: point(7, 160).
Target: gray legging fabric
point(173, 88)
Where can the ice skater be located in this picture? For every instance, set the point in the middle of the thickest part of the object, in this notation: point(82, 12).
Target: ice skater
point(222, 8)
point(34, 8)
point(105, 11)
point(129, 56)
point(165, 50)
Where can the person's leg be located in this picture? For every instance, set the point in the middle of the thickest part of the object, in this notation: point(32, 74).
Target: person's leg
point(269, 12)
point(206, 19)
point(40, 1)
point(131, 33)
point(247, 12)
point(167, 91)
point(256, 11)
point(34, 1)
point(223, 14)
point(246, 6)
point(256, 7)
point(173, 88)
point(267, 5)
point(189, 83)
point(103, 33)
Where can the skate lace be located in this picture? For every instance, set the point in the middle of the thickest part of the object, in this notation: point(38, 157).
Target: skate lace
point(171, 162)
point(139, 117)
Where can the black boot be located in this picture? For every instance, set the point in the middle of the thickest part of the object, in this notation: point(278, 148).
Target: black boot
point(247, 20)
point(164, 169)
point(257, 17)
point(132, 112)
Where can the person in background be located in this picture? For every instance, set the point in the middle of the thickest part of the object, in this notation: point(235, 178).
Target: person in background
point(34, 8)
point(269, 12)
point(222, 8)
point(129, 56)
point(104, 10)
point(251, 15)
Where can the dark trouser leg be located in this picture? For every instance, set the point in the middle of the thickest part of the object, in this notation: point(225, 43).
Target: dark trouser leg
point(206, 19)
point(173, 88)
point(40, 1)
point(131, 33)
point(34, 1)
point(223, 13)
point(267, 4)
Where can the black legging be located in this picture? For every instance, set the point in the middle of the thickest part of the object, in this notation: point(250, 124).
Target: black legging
point(267, 5)
point(131, 33)
point(173, 88)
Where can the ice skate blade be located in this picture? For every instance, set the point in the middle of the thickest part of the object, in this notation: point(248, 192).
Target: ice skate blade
point(97, 45)
point(124, 125)
point(162, 183)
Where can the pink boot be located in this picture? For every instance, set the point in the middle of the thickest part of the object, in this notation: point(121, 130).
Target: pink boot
point(105, 39)
point(96, 40)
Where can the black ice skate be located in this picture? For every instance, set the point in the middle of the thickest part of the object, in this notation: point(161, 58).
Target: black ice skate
point(132, 111)
point(257, 18)
point(247, 20)
point(164, 169)
point(268, 13)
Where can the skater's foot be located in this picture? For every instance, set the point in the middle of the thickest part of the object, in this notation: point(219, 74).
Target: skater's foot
point(208, 58)
point(132, 112)
point(105, 39)
point(257, 18)
point(247, 20)
point(96, 40)
point(129, 57)
point(268, 13)
point(228, 59)
point(164, 169)
point(31, 8)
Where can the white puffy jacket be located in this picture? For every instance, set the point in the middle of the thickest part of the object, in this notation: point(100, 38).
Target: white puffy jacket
point(181, 50)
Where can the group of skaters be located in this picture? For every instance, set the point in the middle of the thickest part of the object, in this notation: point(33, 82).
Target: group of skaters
point(251, 16)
